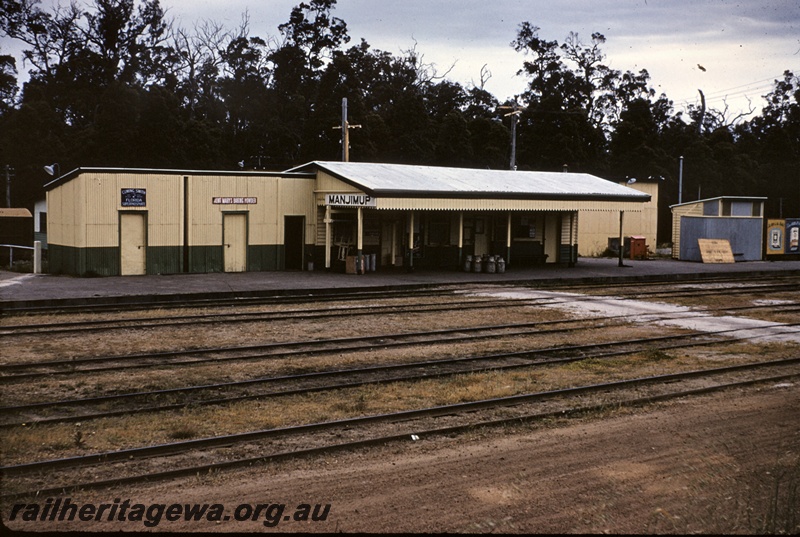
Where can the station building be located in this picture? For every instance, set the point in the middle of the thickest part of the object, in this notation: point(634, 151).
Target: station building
point(346, 216)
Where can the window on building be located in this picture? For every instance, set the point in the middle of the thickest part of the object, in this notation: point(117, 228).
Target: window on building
point(524, 227)
point(711, 208)
point(727, 208)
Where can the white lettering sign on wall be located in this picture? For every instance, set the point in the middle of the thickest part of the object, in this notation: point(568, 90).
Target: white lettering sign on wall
point(234, 201)
point(134, 197)
point(350, 200)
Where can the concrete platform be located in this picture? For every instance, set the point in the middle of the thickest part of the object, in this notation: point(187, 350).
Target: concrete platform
point(17, 289)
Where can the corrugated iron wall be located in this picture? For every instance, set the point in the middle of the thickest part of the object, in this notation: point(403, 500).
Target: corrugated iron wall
point(103, 202)
point(694, 209)
point(744, 235)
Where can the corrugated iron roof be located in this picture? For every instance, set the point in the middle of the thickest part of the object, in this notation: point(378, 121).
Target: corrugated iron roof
point(734, 198)
point(408, 180)
point(69, 176)
point(15, 213)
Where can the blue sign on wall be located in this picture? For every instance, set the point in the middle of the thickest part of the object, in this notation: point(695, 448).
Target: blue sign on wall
point(134, 197)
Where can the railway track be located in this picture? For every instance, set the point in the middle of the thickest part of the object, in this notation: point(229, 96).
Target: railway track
point(342, 378)
point(11, 372)
point(147, 463)
point(630, 288)
point(235, 391)
point(233, 300)
point(16, 371)
point(348, 308)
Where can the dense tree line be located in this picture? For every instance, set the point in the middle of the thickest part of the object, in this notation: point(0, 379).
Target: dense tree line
point(116, 84)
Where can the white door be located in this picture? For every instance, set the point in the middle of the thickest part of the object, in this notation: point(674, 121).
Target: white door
point(234, 239)
point(133, 244)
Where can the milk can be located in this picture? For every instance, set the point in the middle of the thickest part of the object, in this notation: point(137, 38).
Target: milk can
point(501, 265)
point(476, 263)
point(491, 266)
point(468, 264)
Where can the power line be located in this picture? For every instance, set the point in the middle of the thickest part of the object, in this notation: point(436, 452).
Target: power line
point(770, 80)
point(757, 86)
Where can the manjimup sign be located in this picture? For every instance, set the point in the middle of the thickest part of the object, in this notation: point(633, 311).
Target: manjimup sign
point(350, 200)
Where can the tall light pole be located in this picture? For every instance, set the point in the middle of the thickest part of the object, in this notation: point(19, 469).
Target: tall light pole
point(514, 115)
point(345, 132)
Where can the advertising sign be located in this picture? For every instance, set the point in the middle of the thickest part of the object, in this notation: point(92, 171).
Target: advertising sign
point(234, 201)
point(776, 231)
point(793, 236)
point(134, 197)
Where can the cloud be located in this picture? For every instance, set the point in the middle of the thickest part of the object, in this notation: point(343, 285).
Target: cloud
point(738, 41)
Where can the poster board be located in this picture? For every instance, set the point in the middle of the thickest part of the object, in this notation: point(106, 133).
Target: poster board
point(776, 231)
point(715, 251)
point(793, 236)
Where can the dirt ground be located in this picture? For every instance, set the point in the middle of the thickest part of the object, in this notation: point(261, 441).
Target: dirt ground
point(722, 463)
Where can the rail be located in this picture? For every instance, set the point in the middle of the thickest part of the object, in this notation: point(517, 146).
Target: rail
point(37, 254)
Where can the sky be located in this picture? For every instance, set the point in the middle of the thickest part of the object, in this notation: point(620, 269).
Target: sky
point(732, 50)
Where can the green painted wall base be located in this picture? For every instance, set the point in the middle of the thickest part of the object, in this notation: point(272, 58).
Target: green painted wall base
point(83, 261)
point(160, 259)
point(163, 260)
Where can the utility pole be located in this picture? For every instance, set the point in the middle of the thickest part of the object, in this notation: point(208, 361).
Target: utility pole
point(9, 174)
point(515, 112)
point(346, 126)
point(346, 132)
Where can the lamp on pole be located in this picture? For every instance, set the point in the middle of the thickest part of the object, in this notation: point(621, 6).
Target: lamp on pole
point(53, 169)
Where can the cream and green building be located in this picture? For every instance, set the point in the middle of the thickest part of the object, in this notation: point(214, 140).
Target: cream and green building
point(114, 221)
